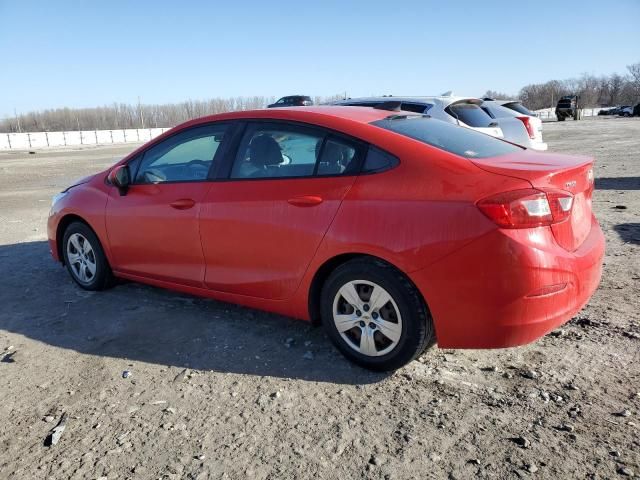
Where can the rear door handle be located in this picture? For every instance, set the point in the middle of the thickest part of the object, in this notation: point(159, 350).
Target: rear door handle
point(183, 204)
point(305, 201)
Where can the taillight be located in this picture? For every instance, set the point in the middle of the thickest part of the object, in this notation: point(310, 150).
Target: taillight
point(528, 126)
point(591, 182)
point(527, 208)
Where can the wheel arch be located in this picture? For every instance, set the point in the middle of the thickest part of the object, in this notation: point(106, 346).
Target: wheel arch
point(324, 271)
point(64, 222)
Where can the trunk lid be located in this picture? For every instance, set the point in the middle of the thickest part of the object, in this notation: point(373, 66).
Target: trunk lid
point(569, 173)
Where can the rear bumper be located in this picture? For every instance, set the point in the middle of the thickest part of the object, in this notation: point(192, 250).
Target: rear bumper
point(509, 287)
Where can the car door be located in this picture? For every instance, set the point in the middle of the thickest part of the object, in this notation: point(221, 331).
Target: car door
point(153, 230)
point(261, 226)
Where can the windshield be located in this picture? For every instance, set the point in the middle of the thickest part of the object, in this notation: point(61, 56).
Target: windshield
point(446, 136)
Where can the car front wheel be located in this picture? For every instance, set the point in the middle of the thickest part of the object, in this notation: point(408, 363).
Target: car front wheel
point(375, 316)
point(84, 258)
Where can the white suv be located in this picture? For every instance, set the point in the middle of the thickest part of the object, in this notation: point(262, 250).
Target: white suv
point(463, 111)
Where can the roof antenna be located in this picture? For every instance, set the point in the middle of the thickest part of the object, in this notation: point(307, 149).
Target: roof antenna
point(447, 94)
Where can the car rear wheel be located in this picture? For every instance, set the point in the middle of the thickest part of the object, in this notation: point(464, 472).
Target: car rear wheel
point(375, 316)
point(85, 259)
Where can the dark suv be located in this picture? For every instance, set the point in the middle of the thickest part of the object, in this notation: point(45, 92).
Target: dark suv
point(567, 107)
point(293, 101)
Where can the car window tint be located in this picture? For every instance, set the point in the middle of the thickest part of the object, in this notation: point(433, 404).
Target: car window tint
point(518, 107)
point(337, 158)
point(277, 151)
point(449, 137)
point(470, 114)
point(414, 107)
point(184, 157)
point(378, 161)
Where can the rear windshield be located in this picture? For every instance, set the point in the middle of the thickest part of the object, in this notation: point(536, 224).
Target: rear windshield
point(469, 114)
point(446, 136)
point(518, 107)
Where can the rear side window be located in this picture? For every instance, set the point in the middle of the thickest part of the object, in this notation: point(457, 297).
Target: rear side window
point(274, 151)
point(337, 157)
point(470, 114)
point(448, 137)
point(378, 161)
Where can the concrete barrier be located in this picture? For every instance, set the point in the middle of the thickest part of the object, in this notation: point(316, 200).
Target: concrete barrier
point(40, 140)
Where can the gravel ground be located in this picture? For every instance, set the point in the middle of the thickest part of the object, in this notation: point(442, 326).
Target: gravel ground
point(220, 391)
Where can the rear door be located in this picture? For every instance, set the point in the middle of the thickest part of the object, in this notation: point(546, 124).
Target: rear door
point(153, 230)
point(261, 226)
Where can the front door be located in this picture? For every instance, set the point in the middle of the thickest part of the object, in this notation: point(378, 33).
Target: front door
point(261, 228)
point(153, 230)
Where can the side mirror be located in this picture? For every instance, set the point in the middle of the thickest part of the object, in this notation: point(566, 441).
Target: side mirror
point(120, 178)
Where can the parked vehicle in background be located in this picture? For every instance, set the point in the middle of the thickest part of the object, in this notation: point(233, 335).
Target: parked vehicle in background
point(293, 101)
point(568, 107)
point(636, 110)
point(463, 111)
point(518, 124)
point(605, 111)
point(386, 228)
point(626, 111)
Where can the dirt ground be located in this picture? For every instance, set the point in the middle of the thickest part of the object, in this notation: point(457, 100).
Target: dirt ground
point(220, 391)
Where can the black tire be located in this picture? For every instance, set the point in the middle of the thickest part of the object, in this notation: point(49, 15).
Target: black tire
point(417, 331)
point(102, 278)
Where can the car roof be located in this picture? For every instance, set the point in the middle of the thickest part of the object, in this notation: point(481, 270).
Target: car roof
point(301, 114)
point(436, 99)
point(502, 102)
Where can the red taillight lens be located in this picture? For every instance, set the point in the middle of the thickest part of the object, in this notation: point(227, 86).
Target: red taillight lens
point(527, 208)
point(528, 126)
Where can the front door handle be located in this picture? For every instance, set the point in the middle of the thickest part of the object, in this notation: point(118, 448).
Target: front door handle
point(305, 201)
point(183, 204)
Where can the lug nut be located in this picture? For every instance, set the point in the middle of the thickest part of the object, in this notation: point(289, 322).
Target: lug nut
point(374, 315)
point(365, 307)
point(372, 326)
point(358, 313)
point(362, 324)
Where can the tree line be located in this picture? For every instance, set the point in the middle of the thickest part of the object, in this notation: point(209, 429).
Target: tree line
point(121, 115)
point(594, 91)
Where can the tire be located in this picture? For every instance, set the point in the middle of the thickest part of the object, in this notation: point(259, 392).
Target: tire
point(404, 317)
point(88, 266)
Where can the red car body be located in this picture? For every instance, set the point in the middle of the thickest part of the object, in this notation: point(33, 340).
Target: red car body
point(268, 244)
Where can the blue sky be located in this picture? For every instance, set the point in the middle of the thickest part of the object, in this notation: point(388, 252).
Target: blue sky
point(77, 54)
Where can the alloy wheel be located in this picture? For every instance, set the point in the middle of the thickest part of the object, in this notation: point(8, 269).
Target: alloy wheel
point(81, 258)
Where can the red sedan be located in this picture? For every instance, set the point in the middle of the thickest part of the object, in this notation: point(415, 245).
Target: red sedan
point(389, 228)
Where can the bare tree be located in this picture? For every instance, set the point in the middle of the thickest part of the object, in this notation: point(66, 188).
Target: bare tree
point(119, 116)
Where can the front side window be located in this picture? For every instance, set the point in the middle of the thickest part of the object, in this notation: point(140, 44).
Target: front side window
point(184, 157)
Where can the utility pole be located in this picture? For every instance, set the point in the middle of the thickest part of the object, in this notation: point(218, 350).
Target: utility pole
point(17, 120)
